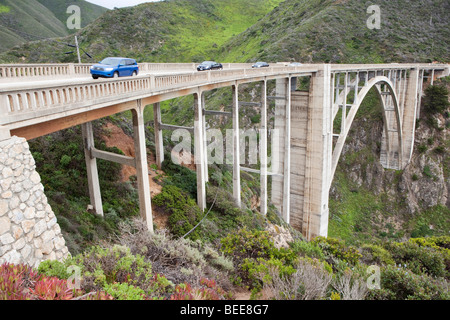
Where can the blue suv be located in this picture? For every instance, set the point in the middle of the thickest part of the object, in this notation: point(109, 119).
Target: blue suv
point(114, 68)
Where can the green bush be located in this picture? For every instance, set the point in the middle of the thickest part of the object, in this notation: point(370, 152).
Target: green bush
point(335, 248)
point(180, 176)
point(53, 268)
point(125, 291)
point(436, 99)
point(183, 210)
point(251, 248)
point(103, 266)
point(418, 259)
point(308, 248)
point(375, 254)
point(398, 283)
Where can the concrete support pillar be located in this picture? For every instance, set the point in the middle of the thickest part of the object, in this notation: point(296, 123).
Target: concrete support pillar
point(318, 155)
point(140, 150)
point(91, 168)
point(236, 147)
point(263, 148)
point(410, 113)
point(287, 154)
point(205, 147)
point(159, 144)
point(278, 146)
point(199, 151)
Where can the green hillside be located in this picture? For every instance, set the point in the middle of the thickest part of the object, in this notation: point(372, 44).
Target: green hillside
point(89, 11)
point(337, 32)
point(272, 30)
point(30, 20)
point(169, 31)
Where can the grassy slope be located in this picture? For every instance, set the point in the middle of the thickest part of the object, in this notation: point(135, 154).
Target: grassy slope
point(336, 31)
point(30, 20)
point(89, 11)
point(27, 20)
point(169, 31)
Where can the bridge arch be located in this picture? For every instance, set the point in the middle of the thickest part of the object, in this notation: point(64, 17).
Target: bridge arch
point(392, 143)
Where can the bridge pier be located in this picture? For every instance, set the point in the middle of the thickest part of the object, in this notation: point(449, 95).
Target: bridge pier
point(159, 145)
point(304, 121)
point(236, 147)
point(91, 168)
point(263, 149)
point(139, 162)
point(140, 150)
point(199, 152)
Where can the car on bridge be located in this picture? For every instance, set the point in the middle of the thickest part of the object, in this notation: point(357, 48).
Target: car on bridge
point(295, 64)
point(260, 64)
point(209, 65)
point(114, 67)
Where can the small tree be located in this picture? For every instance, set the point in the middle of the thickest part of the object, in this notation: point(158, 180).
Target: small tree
point(436, 99)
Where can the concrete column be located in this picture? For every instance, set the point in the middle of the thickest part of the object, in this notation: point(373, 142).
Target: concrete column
point(140, 150)
point(410, 113)
point(236, 150)
point(263, 148)
point(91, 168)
point(199, 150)
point(318, 155)
point(159, 144)
point(287, 154)
point(278, 145)
point(205, 150)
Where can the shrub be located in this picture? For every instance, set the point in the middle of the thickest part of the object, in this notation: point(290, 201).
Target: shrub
point(125, 291)
point(21, 282)
point(307, 281)
point(336, 249)
point(180, 260)
point(103, 266)
point(419, 259)
point(53, 268)
point(308, 249)
point(401, 284)
point(250, 250)
point(373, 253)
point(436, 99)
point(180, 176)
point(350, 286)
point(207, 290)
point(184, 212)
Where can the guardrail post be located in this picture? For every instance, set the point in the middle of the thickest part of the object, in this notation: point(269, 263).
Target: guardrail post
point(71, 69)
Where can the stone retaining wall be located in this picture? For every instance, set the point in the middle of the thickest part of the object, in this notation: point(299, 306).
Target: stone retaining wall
point(29, 232)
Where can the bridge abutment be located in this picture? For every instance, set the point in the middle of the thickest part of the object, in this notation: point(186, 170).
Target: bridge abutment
point(29, 232)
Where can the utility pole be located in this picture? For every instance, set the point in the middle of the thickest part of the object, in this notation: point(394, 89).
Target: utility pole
point(78, 50)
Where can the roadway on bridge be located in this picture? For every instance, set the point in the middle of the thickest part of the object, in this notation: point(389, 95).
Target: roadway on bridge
point(49, 81)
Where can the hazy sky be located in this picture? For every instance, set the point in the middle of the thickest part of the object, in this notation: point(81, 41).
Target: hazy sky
point(110, 4)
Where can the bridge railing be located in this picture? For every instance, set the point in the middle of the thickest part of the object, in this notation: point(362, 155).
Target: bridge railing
point(15, 71)
point(26, 102)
